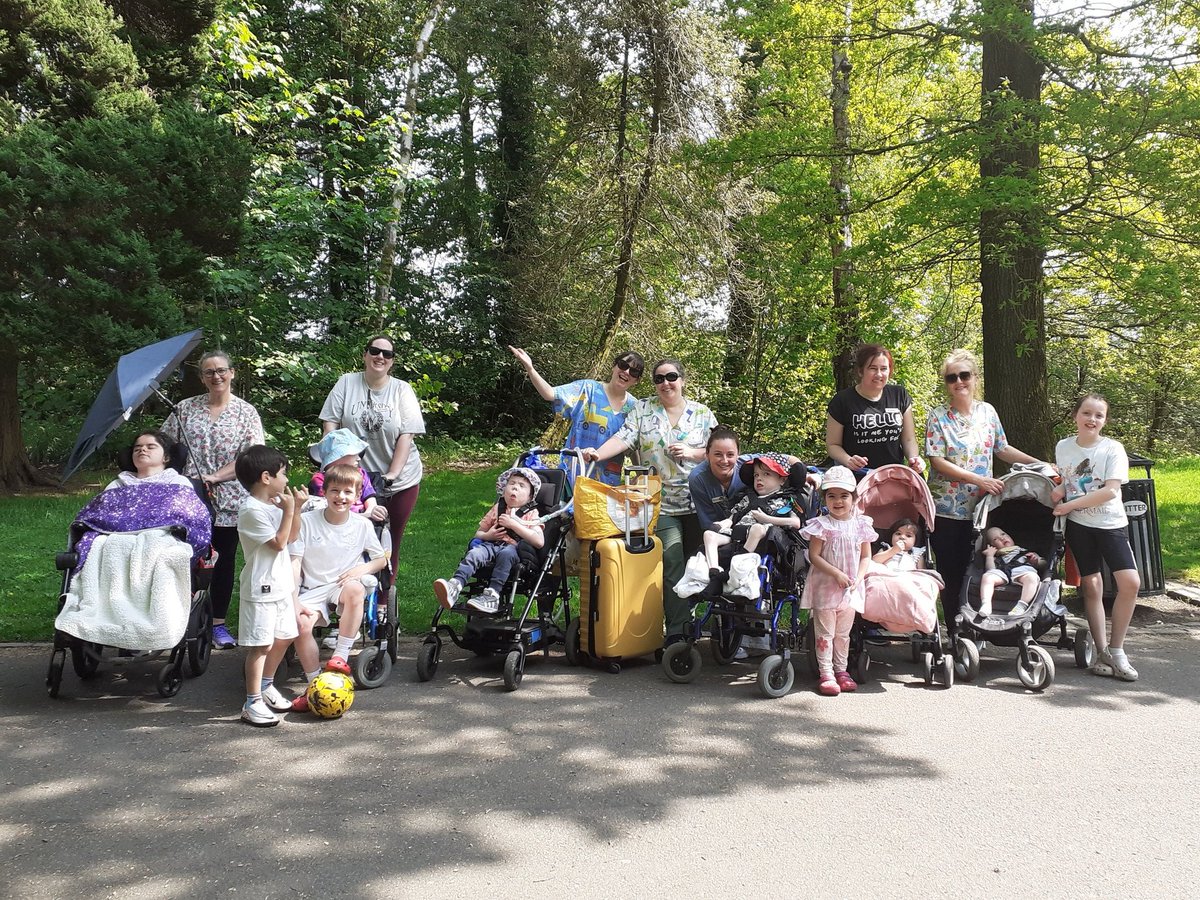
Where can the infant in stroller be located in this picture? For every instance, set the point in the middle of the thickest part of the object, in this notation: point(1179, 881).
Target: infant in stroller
point(1006, 563)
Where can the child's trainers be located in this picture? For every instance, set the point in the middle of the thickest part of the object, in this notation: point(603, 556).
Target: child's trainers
point(275, 700)
point(845, 682)
point(337, 664)
point(1121, 666)
point(258, 715)
point(828, 686)
point(487, 602)
point(446, 591)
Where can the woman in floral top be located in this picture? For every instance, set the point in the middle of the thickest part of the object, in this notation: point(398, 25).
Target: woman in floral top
point(961, 439)
point(217, 426)
point(668, 432)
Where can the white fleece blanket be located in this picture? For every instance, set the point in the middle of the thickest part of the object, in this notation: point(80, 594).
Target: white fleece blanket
point(134, 592)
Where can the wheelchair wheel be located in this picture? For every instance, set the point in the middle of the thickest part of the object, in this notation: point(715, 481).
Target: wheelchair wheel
point(58, 661)
point(372, 667)
point(85, 659)
point(427, 659)
point(681, 662)
point(514, 669)
point(170, 679)
point(775, 676)
point(725, 641)
point(571, 642)
point(199, 648)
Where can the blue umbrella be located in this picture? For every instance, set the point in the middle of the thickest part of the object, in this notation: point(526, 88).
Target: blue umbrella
point(136, 376)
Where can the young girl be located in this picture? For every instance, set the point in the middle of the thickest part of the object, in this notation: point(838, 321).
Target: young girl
point(839, 552)
point(900, 552)
point(1093, 468)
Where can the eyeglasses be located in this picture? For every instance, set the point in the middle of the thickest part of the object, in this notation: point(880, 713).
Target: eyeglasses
point(379, 351)
point(964, 377)
point(666, 376)
point(624, 366)
point(217, 373)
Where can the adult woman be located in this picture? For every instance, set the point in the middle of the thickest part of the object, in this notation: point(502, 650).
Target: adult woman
point(716, 479)
point(596, 410)
point(217, 426)
point(385, 413)
point(962, 436)
point(669, 432)
point(871, 424)
point(151, 457)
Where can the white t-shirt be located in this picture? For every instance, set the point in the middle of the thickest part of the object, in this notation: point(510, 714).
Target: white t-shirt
point(267, 574)
point(379, 418)
point(327, 550)
point(1084, 471)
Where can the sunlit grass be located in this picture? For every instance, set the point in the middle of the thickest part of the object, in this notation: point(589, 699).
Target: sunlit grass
point(1177, 486)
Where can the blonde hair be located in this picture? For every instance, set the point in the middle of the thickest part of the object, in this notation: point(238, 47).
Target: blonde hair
point(957, 361)
point(343, 476)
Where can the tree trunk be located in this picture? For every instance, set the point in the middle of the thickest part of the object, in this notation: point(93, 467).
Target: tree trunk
point(1011, 236)
point(847, 318)
point(16, 471)
point(468, 203)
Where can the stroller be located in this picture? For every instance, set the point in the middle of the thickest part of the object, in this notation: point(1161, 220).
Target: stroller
point(136, 576)
point(899, 606)
point(773, 611)
point(540, 576)
point(1024, 509)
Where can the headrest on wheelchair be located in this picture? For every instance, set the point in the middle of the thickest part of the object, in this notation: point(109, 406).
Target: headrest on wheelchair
point(549, 493)
point(177, 452)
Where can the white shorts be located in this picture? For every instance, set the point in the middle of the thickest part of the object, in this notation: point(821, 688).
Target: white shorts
point(263, 622)
point(1004, 578)
point(326, 597)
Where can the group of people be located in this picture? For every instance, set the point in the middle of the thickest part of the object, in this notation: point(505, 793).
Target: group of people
point(371, 471)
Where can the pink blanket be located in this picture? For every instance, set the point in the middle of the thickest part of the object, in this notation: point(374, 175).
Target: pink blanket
point(902, 601)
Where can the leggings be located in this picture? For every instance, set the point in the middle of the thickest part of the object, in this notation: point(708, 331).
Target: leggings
point(833, 639)
point(952, 549)
point(225, 542)
point(400, 507)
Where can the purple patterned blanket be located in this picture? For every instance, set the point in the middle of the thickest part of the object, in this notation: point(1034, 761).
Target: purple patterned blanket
point(135, 507)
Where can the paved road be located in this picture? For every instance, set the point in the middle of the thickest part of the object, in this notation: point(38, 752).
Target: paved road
point(584, 784)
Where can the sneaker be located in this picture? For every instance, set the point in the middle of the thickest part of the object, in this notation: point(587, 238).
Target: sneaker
point(258, 715)
point(741, 653)
point(330, 642)
point(828, 686)
point(845, 682)
point(487, 602)
point(337, 664)
point(1121, 666)
point(446, 591)
point(222, 639)
point(1103, 664)
point(300, 703)
point(275, 700)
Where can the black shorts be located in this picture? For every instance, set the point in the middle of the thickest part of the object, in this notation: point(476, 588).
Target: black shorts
point(1091, 545)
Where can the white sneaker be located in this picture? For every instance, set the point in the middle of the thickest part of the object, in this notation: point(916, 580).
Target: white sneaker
point(487, 602)
point(741, 653)
point(446, 591)
point(258, 715)
point(1121, 665)
point(275, 700)
point(330, 642)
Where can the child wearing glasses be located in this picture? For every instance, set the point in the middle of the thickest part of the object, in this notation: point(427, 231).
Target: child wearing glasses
point(595, 410)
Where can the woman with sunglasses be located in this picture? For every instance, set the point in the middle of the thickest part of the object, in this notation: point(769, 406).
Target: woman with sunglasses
point(962, 436)
point(385, 413)
point(217, 426)
point(669, 432)
point(871, 424)
point(595, 410)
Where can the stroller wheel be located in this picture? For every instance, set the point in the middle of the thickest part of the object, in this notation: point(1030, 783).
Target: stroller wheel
point(681, 662)
point(914, 647)
point(966, 659)
point(571, 642)
point(775, 676)
point(199, 648)
point(372, 667)
point(1085, 648)
point(947, 671)
point(862, 667)
point(1036, 670)
point(514, 669)
point(427, 659)
point(58, 661)
point(927, 667)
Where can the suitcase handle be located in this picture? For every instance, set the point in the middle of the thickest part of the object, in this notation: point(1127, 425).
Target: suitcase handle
point(644, 473)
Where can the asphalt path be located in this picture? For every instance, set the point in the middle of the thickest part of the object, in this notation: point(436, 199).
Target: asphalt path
point(585, 784)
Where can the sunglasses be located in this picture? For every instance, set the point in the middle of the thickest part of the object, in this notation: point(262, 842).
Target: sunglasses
point(214, 373)
point(666, 376)
point(635, 371)
point(964, 377)
point(379, 351)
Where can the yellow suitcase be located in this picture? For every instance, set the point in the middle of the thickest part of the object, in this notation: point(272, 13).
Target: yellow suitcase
point(621, 599)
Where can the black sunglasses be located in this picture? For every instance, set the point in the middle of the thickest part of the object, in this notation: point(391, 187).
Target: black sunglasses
point(379, 351)
point(635, 371)
point(952, 377)
point(666, 376)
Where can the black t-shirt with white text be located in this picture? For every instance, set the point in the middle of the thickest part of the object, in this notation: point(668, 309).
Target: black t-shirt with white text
point(871, 428)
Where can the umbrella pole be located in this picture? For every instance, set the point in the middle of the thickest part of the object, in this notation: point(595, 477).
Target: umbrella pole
point(182, 431)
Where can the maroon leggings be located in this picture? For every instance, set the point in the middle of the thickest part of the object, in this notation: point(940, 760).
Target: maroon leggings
point(400, 507)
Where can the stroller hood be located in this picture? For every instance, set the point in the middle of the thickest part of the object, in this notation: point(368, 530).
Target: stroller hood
point(1022, 483)
point(895, 492)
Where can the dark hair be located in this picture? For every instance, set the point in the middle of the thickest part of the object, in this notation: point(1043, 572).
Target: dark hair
point(164, 440)
point(343, 474)
point(633, 358)
point(901, 523)
point(721, 433)
point(1085, 398)
point(378, 337)
point(669, 361)
point(253, 461)
point(867, 352)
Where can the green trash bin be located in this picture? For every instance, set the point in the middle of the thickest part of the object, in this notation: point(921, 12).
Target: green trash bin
point(1142, 510)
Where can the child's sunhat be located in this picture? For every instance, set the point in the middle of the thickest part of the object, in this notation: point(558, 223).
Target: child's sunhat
point(338, 443)
point(776, 462)
point(535, 481)
point(839, 477)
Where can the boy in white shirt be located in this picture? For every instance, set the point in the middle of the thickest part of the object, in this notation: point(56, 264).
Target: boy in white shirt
point(328, 564)
point(268, 520)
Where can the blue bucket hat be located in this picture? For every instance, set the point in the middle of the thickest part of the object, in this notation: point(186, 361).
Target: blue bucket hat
point(338, 443)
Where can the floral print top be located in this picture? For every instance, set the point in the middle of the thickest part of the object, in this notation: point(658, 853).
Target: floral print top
point(216, 444)
point(969, 441)
point(648, 431)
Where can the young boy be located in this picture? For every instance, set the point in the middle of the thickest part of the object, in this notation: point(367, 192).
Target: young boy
point(327, 560)
point(268, 520)
point(512, 518)
point(769, 504)
point(341, 447)
point(1004, 562)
